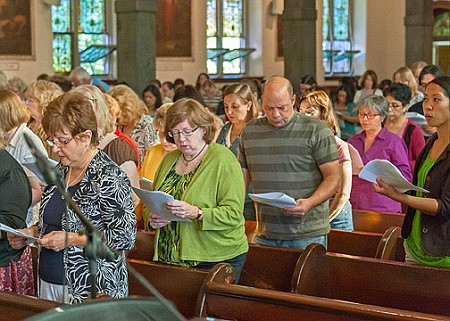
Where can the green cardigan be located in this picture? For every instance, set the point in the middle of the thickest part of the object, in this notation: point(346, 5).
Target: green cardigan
point(218, 188)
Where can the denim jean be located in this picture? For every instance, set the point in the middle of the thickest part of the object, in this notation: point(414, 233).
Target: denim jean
point(344, 220)
point(236, 262)
point(298, 243)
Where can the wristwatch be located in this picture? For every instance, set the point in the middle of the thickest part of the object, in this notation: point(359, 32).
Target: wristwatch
point(199, 214)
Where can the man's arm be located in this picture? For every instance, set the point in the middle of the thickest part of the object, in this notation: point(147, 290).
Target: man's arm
point(246, 174)
point(331, 180)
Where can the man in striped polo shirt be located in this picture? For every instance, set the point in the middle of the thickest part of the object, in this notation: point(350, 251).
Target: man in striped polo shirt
point(294, 154)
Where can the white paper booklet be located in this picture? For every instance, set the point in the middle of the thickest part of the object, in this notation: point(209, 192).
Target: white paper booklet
point(31, 164)
point(387, 171)
point(7, 229)
point(276, 199)
point(156, 200)
point(419, 119)
point(145, 183)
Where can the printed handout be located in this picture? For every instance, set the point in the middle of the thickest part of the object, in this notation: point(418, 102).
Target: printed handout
point(8, 229)
point(31, 164)
point(276, 199)
point(145, 183)
point(155, 201)
point(387, 171)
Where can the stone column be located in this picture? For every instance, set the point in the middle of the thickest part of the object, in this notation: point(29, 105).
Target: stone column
point(136, 42)
point(299, 40)
point(418, 31)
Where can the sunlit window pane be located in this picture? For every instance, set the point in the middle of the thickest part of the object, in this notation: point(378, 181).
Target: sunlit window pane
point(336, 45)
point(340, 20)
point(92, 16)
point(61, 17)
point(84, 41)
point(224, 29)
point(62, 53)
point(211, 18)
point(90, 30)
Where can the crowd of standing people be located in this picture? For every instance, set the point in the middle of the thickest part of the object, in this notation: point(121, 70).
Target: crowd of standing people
point(209, 147)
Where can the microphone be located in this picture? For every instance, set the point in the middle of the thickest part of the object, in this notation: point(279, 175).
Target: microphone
point(51, 174)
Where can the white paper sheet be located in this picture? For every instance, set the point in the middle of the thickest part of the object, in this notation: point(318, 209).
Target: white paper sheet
point(7, 229)
point(31, 164)
point(276, 199)
point(419, 119)
point(156, 200)
point(387, 171)
point(145, 183)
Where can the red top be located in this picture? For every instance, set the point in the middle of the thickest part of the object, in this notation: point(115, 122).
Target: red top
point(131, 142)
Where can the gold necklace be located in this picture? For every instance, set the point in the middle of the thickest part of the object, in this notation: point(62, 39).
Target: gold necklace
point(186, 161)
point(69, 182)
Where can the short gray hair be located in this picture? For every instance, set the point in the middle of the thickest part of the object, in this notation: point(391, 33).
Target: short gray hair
point(375, 103)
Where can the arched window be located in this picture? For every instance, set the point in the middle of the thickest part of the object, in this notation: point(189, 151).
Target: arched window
point(225, 37)
point(337, 42)
point(80, 36)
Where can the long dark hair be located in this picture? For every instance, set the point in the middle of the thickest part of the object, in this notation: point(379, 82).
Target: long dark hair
point(155, 91)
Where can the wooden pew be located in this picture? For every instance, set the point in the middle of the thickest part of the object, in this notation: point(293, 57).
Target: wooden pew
point(269, 267)
point(371, 281)
point(391, 245)
point(376, 222)
point(143, 246)
point(15, 307)
point(180, 285)
point(266, 266)
point(236, 302)
point(353, 243)
point(387, 246)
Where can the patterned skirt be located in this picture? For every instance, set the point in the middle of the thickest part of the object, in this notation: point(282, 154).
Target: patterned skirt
point(18, 276)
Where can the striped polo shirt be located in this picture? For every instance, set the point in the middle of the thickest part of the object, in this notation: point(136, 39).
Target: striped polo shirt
point(287, 160)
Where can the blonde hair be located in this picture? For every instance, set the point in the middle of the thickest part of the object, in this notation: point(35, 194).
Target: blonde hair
point(131, 106)
point(105, 121)
point(407, 76)
point(113, 106)
point(13, 112)
point(321, 99)
point(44, 91)
point(160, 116)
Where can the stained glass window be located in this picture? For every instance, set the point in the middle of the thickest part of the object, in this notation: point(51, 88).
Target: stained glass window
point(337, 37)
point(225, 30)
point(69, 41)
point(441, 27)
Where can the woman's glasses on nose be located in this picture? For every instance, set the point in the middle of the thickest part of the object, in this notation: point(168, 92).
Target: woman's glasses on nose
point(395, 106)
point(368, 116)
point(185, 132)
point(59, 142)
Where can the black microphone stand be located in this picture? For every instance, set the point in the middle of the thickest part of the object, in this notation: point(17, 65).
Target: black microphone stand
point(95, 247)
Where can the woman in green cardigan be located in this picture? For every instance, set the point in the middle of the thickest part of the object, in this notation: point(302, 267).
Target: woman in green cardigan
point(207, 183)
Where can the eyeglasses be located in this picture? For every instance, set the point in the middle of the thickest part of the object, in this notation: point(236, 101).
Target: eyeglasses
point(59, 142)
point(395, 105)
point(368, 116)
point(185, 132)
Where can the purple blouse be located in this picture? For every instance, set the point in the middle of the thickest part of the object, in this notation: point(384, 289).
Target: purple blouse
point(386, 146)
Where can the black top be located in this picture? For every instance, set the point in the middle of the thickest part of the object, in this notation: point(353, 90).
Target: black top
point(15, 199)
